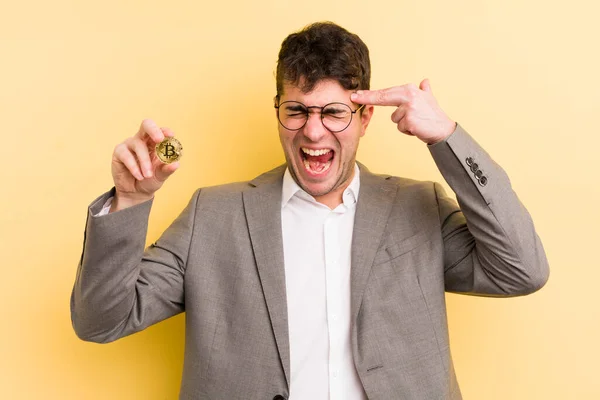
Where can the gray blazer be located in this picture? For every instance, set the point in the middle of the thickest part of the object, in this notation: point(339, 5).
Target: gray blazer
point(221, 261)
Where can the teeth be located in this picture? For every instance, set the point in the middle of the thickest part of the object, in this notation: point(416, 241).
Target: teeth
point(315, 152)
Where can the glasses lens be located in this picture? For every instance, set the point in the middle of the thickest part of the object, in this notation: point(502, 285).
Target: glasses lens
point(336, 116)
point(292, 115)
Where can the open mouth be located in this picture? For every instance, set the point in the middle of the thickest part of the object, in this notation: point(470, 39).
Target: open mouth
point(316, 161)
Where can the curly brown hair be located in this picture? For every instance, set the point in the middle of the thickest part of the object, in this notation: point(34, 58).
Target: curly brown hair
point(323, 50)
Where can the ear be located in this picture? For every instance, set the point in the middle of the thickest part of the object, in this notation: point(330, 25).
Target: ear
point(365, 118)
point(275, 103)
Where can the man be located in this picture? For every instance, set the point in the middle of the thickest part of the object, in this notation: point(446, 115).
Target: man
point(318, 279)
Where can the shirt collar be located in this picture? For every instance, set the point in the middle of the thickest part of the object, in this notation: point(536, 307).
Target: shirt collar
point(291, 188)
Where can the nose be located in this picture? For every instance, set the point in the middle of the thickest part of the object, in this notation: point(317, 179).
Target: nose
point(314, 129)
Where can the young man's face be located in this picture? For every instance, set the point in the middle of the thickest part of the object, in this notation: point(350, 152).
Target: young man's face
point(330, 167)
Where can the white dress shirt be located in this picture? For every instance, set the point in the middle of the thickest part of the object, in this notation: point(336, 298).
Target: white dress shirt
point(316, 246)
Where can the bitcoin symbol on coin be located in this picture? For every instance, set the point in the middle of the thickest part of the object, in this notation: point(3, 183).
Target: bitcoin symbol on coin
point(169, 150)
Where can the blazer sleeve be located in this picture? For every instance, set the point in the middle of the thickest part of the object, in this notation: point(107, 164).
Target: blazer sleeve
point(491, 247)
point(120, 288)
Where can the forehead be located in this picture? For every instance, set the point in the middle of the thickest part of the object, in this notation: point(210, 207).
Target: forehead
point(324, 92)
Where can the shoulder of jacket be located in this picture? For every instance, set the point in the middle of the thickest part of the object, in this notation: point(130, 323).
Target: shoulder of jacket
point(220, 194)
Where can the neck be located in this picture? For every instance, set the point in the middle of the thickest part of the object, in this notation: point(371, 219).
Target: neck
point(335, 197)
point(331, 199)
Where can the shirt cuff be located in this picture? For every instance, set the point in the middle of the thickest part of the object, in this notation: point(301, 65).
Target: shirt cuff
point(106, 207)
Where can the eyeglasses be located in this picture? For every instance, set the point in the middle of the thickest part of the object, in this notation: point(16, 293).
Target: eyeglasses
point(335, 117)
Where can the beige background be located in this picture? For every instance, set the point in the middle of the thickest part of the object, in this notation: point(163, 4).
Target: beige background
point(78, 77)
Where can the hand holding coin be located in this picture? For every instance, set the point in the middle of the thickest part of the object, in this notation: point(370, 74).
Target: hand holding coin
point(140, 165)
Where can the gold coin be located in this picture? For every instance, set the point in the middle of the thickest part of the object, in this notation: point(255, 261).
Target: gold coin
point(169, 150)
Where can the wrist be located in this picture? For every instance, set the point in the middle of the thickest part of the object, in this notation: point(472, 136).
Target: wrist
point(122, 201)
point(446, 133)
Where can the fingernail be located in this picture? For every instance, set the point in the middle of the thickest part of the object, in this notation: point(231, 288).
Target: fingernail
point(359, 92)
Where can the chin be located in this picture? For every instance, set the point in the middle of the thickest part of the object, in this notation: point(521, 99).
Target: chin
point(318, 190)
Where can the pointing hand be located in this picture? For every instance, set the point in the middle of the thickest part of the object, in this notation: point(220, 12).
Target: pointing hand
point(417, 111)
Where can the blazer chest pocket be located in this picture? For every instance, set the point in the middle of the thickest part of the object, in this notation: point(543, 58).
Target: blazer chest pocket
point(392, 249)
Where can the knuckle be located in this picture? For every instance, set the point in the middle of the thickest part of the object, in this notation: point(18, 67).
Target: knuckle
point(131, 164)
point(143, 155)
point(136, 143)
point(118, 150)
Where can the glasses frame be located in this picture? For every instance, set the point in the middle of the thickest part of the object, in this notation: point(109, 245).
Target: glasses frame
point(277, 106)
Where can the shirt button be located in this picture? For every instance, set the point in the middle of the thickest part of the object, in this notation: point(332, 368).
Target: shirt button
point(334, 317)
point(335, 374)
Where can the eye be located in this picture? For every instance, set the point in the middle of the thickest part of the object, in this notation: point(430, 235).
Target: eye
point(336, 111)
point(295, 111)
point(295, 114)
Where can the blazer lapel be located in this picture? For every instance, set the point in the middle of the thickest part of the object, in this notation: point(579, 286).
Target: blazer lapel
point(262, 204)
point(373, 208)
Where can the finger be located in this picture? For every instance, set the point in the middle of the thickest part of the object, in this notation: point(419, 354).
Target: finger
point(398, 114)
point(126, 157)
point(167, 132)
point(393, 96)
point(166, 170)
point(425, 85)
point(148, 128)
point(404, 129)
point(140, 149)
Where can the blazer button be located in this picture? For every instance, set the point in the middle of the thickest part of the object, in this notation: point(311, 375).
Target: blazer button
point(478, 174)
point(483, 181)
point(469, 161)
point(474, 167)
point(279, 397)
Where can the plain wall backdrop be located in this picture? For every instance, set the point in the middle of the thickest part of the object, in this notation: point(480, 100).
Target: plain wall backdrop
point(78, 77)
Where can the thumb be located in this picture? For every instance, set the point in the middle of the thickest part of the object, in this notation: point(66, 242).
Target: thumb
point(425, 86)
point(166, 170)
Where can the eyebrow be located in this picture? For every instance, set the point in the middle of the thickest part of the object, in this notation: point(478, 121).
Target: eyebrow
point(337, 107)
point(295, 107)
point(301, 107)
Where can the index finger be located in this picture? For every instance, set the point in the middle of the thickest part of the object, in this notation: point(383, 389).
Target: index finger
point(149, 127)
point(394, 96)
